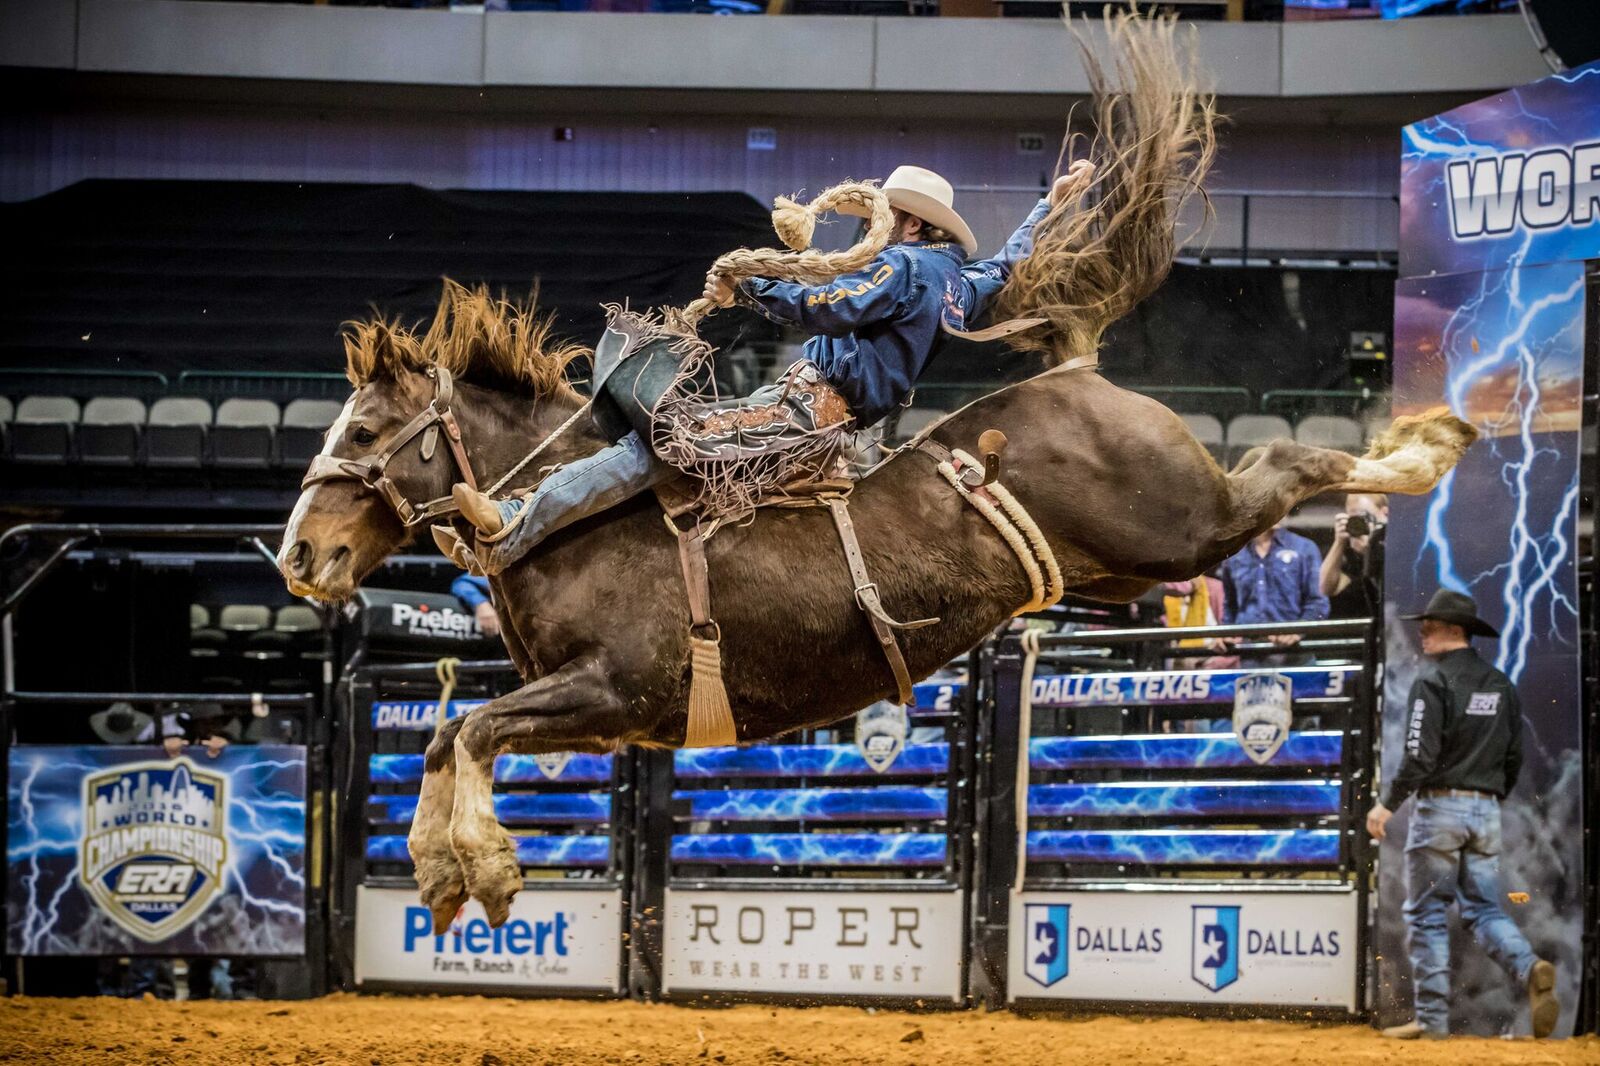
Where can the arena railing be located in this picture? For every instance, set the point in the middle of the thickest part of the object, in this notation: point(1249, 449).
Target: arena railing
point(829, 864)
point(87, 889)
point(264, 384)
point(1193, 828)
point(18, 381)
point(570, 816)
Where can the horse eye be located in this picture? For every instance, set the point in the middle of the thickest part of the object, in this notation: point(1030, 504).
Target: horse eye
point(364, 437)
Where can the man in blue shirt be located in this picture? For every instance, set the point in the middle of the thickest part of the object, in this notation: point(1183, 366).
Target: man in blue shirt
point(874, 332)
point(473, 592)
point(1275, 578)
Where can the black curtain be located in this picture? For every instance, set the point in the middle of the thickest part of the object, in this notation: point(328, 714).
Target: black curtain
point(174, 275)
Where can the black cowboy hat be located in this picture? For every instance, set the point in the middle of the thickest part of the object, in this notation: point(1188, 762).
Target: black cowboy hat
point(119, 723)
point(1458, 609)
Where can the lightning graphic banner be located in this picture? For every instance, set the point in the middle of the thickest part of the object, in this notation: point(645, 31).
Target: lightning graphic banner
point(1500, 206)
point(110, 851)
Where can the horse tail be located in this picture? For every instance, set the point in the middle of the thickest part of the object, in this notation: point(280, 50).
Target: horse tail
point(1154, 139)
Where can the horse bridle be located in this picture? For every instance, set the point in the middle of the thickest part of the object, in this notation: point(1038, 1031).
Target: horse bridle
point(372, 471)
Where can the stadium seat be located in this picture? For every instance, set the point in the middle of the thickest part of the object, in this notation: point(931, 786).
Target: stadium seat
point(175, 436)
point(109, 432)
point(1207, 429)
point(244, 618)
point(241, 438)
point(6, 414)
point(1247, 431)
point(296, 619)
point(305, 422)
point(1329, 431)
point(204, 641)
point(41, 432)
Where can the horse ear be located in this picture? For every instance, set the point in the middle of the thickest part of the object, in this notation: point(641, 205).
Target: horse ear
point(375, 350)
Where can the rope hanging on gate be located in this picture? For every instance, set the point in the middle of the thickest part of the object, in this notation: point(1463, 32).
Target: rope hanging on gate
point(1030, 660)
point(445, 671)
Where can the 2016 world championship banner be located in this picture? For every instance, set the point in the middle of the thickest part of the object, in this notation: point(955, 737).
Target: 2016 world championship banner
point(1499, 207)
point(110, 851)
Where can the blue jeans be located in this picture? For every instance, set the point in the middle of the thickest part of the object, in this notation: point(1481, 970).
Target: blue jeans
point(577, 490)
point(1453, 853)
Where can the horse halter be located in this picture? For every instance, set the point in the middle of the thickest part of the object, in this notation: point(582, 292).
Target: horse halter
point(371, 471)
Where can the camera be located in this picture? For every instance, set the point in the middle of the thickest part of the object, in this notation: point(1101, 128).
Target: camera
point(1360, 525)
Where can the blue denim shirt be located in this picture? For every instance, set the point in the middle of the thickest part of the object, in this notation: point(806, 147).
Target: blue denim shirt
point(875, 330)
point(470, 590)
point(1282, 587)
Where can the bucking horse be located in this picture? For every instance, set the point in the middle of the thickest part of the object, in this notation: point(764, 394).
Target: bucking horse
point(597, 619)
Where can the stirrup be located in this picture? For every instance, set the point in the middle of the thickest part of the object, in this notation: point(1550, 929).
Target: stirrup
point(455, 549)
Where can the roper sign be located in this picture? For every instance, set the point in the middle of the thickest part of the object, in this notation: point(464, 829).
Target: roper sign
point(596, 619)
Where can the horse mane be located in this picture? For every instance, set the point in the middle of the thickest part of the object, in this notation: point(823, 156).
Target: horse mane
point(496, 342)
point(1153, 142)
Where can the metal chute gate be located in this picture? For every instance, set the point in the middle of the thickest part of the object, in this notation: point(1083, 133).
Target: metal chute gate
point(831, 864)
point(569, 814)
point(1192, 817)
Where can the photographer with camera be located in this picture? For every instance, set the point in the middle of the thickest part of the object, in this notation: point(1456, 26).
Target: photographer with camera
point(1352, 572)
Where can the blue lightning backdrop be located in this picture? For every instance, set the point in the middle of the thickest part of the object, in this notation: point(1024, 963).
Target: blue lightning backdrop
point(111, 851)
point(1499, 209)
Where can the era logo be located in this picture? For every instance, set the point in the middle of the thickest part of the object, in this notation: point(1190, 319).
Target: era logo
point(147, 879)
point(1484, 703)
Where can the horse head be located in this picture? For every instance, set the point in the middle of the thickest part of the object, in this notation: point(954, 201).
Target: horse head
point(464, 399)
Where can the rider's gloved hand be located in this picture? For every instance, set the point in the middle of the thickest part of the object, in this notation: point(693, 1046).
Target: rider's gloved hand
point(719, 290)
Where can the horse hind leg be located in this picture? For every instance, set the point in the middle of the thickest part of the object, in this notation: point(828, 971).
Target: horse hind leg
point(1412, 455)
point(439, 878)
point(572, 707)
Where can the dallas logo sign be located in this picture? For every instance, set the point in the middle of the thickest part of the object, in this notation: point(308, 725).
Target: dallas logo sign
point(153, 845)
point(1046, 932)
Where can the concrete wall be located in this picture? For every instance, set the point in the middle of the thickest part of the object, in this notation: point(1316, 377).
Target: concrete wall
point(879, 55)
point(45, 150)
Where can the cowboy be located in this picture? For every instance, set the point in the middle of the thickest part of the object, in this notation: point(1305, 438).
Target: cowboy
point(874, 332)
point(1462, 755)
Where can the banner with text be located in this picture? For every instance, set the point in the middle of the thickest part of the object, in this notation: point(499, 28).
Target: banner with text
point(1185, 947)
point(815, 943)
point(554, 939)
point(115, 851)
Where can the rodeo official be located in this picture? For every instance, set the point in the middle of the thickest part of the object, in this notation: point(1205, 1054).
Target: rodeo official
point(1463, 752)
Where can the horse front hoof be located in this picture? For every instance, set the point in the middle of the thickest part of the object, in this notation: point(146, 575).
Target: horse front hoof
point(494, 879)
point(443, 891)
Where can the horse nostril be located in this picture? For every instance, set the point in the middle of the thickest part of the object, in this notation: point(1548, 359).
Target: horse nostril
point(300, 559)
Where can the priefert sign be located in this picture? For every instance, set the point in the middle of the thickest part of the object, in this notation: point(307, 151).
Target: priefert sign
point(553, 939)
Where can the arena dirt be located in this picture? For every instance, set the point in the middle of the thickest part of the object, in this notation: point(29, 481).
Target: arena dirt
point(381, 1030)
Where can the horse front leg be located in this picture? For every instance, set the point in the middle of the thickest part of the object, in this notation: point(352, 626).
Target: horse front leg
point(570, 708)
point(438, 872)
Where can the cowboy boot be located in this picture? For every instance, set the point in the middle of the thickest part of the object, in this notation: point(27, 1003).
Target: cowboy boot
point(1544, 1010)
point(484, 513)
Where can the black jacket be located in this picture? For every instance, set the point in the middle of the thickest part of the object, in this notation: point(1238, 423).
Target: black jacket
point(1463, 729)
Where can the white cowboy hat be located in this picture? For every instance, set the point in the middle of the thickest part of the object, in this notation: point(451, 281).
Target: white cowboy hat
point(925, 194)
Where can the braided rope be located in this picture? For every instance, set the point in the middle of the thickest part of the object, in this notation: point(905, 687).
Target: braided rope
point(795, 224)
point(1018, 529)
